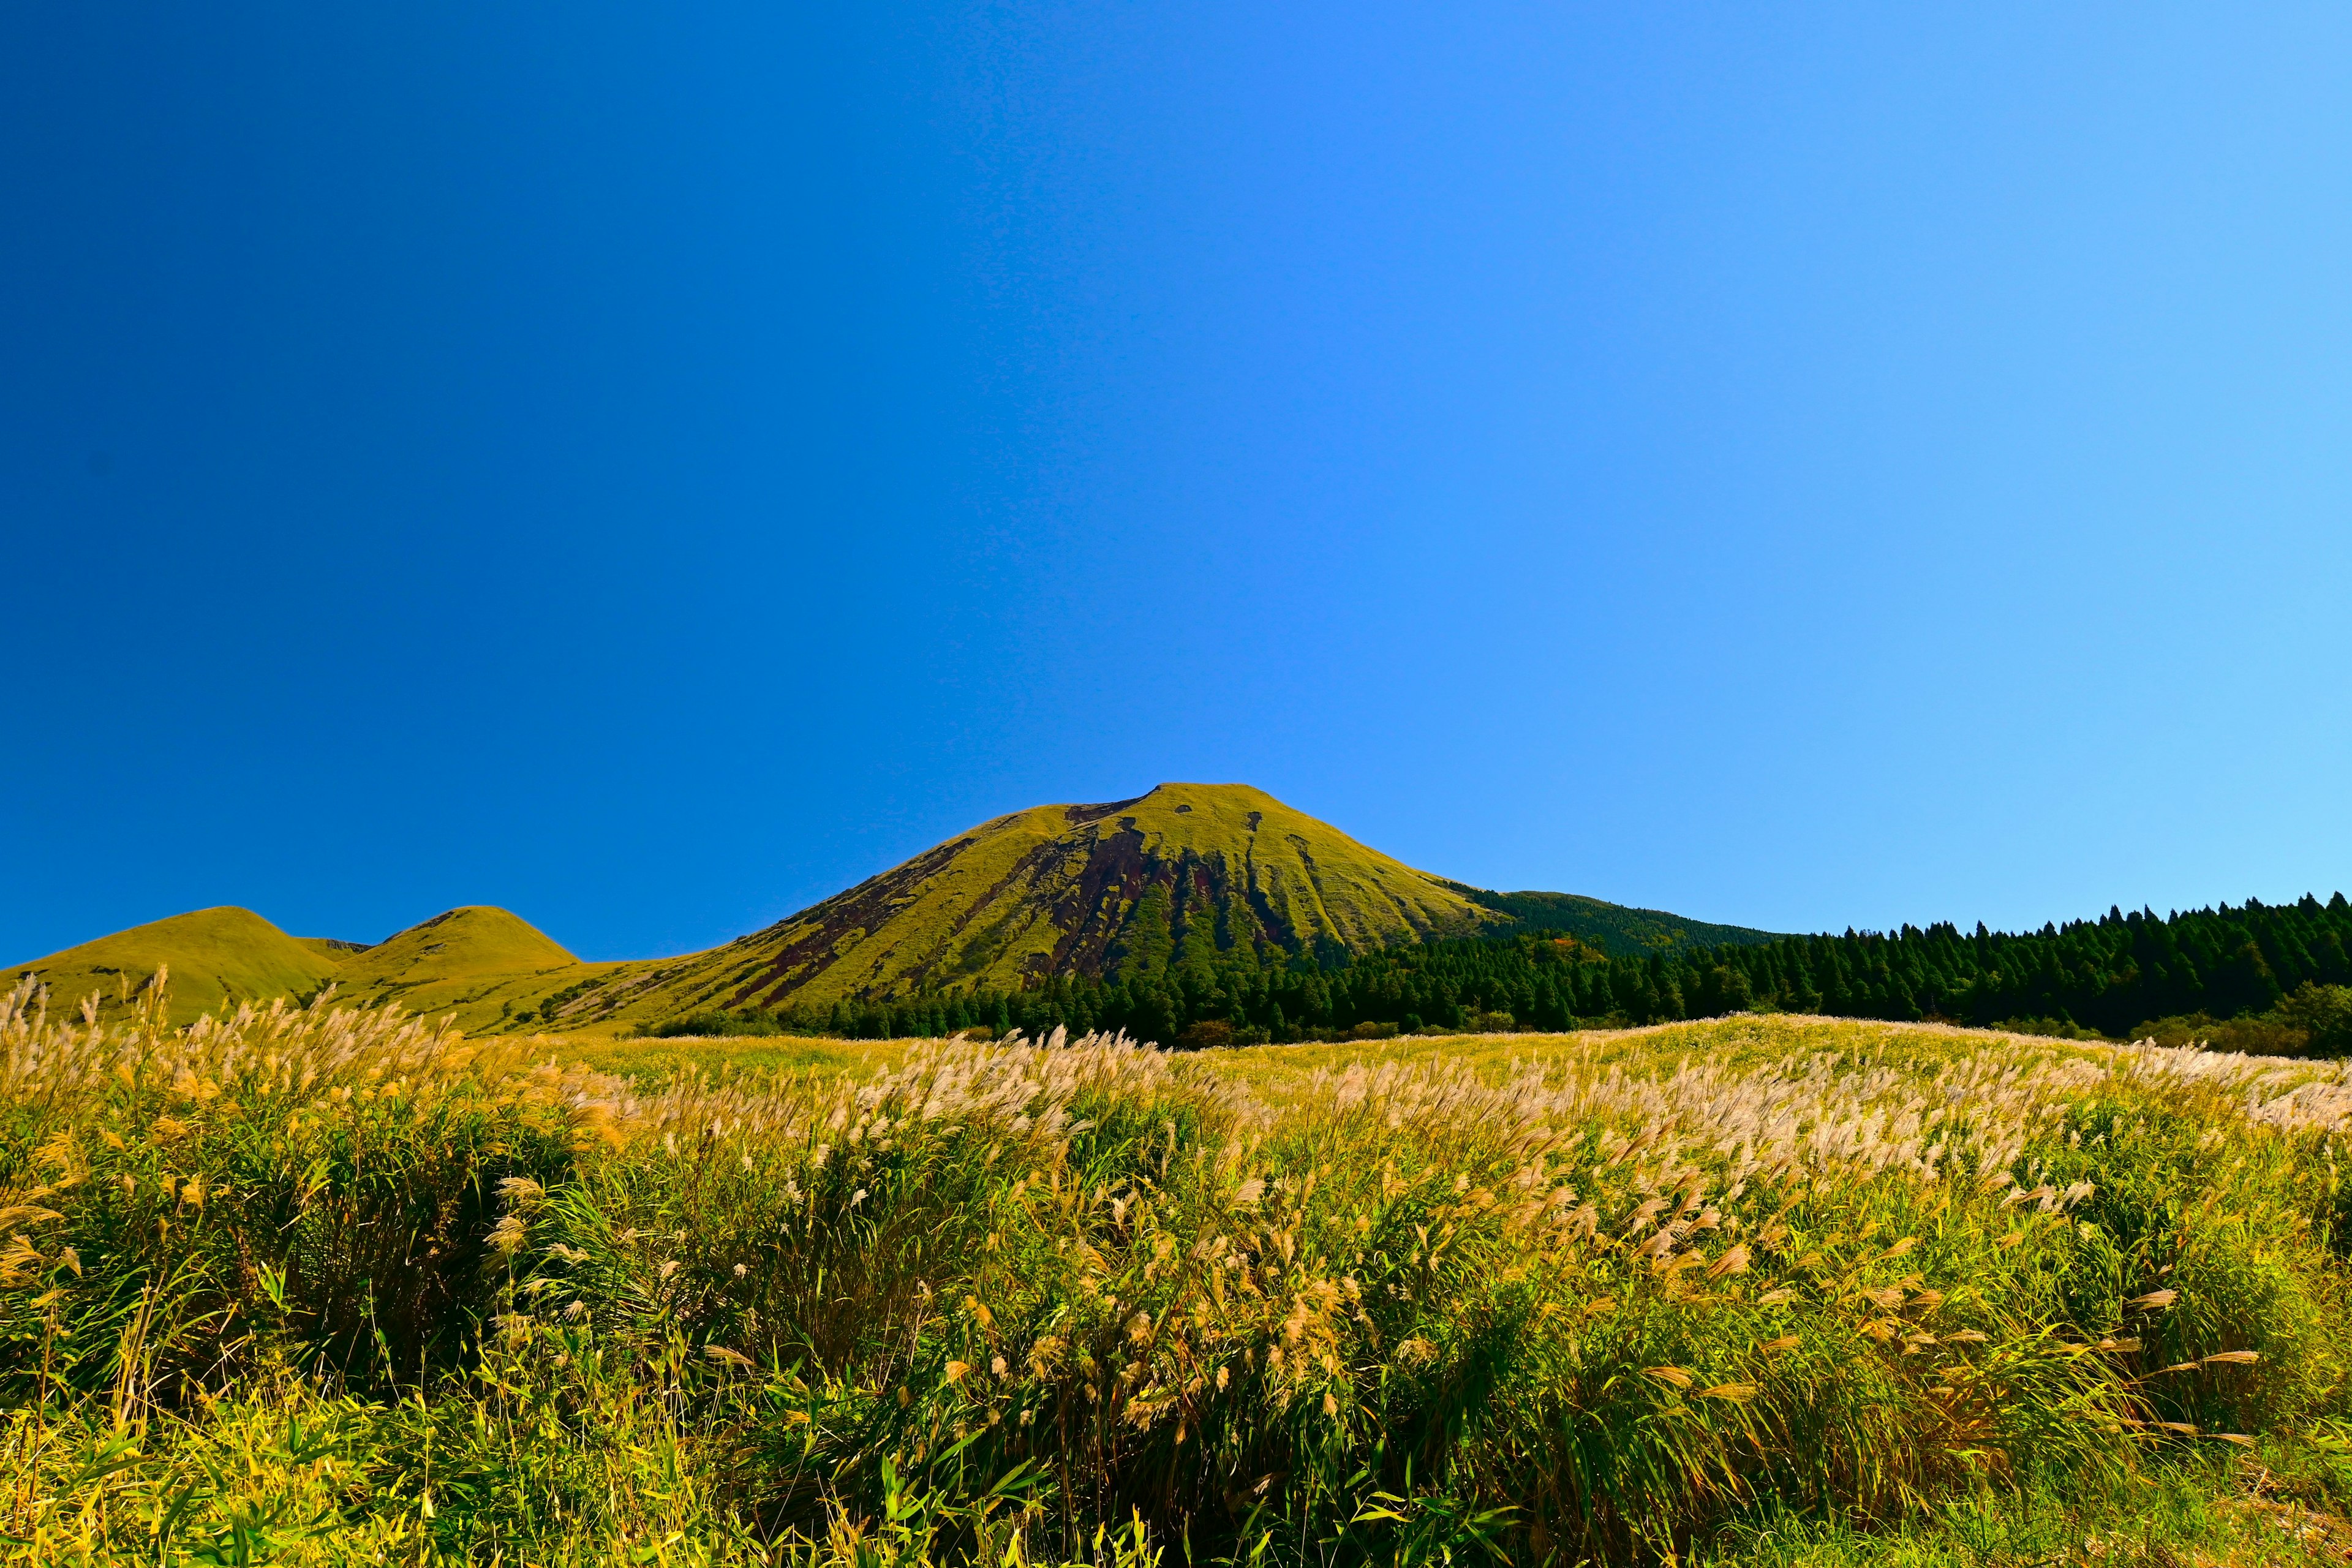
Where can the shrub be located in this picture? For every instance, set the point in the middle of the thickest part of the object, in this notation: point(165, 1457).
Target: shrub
point(2323, 1014)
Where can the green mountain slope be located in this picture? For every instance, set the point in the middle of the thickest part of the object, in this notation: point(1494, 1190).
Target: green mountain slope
point(477, 962)
point(1060, 889)
point(1614, 929)
point(1184, 875)
point(219, 958)
point(483, 964)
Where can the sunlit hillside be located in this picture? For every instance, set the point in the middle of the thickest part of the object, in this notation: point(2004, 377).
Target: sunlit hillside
point(216, 958)
point(1186, 875)
point(1063, 889)
point(477, 963)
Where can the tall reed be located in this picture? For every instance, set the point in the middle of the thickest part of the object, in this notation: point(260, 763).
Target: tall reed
point(1077, 1300)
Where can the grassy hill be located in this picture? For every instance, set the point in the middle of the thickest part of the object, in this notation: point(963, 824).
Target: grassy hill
point(482, 963)
point(1182, 874)
point(218, 957)
point(1083, 889)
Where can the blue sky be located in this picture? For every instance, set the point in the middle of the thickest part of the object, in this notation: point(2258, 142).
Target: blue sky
point(1805, 467)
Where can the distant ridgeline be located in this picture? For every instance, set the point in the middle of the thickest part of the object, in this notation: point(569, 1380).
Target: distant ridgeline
point(1615, 929)
point(1200, 912)
point(2123, 975)
point(1223, 886)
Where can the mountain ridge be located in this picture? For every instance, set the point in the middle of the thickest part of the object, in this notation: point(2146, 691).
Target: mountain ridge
point(1633, 929)
point(1180, 874)
point(216, 957)
point(1057, 889)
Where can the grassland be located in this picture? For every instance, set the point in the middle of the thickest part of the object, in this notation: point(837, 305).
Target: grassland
point(324, 1285)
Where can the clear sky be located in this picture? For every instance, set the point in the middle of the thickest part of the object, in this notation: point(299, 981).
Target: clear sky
point(651, 467)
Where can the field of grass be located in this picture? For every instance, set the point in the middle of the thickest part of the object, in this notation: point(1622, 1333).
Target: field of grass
point(327, 1287)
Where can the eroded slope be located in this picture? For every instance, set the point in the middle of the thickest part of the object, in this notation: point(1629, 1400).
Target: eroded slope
point(1122, 886)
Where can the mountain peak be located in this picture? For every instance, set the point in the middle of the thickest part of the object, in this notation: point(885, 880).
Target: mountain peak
point(1127, 886)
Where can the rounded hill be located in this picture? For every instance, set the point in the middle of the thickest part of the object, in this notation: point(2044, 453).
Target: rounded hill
point(216, 958)
point(457, 960)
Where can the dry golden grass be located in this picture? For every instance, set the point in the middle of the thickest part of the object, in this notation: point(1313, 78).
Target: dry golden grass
point(302, 1282)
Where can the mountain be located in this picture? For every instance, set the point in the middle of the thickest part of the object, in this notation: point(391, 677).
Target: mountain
point(1119, 888)
point(1614, 929)
point(1060, 889)
point(481, 964)
point(466, 961)
point(219, 958)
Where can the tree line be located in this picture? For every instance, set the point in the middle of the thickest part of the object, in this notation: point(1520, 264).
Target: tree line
point(2121, 976)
